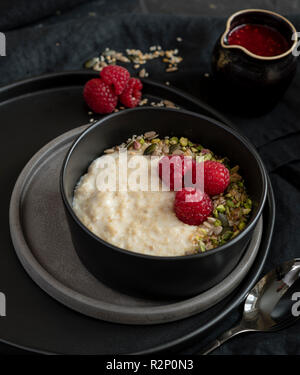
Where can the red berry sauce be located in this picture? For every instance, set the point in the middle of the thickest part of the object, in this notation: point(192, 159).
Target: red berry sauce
point(258, 39)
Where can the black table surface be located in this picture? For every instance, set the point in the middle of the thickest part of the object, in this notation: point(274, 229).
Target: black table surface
point(59, 35)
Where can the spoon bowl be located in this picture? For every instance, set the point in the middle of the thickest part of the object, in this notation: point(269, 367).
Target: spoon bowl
point(269, 306)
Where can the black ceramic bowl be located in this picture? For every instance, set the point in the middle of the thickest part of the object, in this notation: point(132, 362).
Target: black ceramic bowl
point(171, 277)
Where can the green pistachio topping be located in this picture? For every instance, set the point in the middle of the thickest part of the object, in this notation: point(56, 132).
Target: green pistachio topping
point(218, 223)
point(221, 208)
point(156, 140)
point(242, 225)
point(246, 211)
point(215, 213)
point(202, 246)
point(227, 235)
point(248, 203)
point(207, 157)
point(174, 140)
point(183, 141)
point(229, 203)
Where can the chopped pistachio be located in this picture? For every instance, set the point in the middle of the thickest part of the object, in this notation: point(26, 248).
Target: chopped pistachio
point(174, 140)
point(242, 225)
point(194, 149)
point(142, 141)
point(217, 223)
point(235, 233)
point(183, 148)
point(167, 141)
point(155, 140)
point(190, 144)
point(229, 203)
point(221, 208)
point(183, 141)
point(202, 246)
point(227, 235)
point(248, 203)
point(246, 211)
point(199, 147)
point(215, 213)
point(207, 157)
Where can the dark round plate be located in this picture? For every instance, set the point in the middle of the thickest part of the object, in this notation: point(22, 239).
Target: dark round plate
point(47, 253)
point(34, 112)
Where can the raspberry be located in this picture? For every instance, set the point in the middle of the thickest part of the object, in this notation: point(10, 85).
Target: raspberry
point(171, 169)
point(132, 94)
point(99, 96)
point(216, 177)
point(192, 206)
point(117, 76)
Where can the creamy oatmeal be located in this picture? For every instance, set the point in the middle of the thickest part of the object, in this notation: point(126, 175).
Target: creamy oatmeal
point(140, 221)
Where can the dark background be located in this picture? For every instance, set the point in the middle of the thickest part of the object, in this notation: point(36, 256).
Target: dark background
point(55, 35)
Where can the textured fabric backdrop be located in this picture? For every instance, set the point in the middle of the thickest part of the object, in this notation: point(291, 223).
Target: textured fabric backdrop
point(43, 41)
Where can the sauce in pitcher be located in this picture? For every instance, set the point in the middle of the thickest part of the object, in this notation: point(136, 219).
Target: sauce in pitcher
point(259, 39)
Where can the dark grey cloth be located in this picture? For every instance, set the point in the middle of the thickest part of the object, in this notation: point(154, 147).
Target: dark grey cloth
point(64, 42)
point(19, 13)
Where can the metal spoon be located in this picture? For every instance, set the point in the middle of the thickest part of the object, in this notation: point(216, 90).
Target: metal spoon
point(271, 304)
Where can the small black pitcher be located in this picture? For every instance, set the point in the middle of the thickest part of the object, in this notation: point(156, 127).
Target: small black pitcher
point(248, 82)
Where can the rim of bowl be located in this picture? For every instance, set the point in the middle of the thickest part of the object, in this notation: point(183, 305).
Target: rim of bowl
point(241, 138)
point(237, 46)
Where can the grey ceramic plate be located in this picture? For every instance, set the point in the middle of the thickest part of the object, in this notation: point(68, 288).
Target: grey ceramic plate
point(43, 244)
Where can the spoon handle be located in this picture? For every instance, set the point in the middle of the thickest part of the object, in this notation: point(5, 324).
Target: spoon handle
point(222, 338)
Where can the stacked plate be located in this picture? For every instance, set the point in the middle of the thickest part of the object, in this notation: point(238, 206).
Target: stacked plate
point(107, 322)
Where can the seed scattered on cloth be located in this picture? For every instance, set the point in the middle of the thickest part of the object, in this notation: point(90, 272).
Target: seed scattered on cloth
point(143, 73)
point(137, 58)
